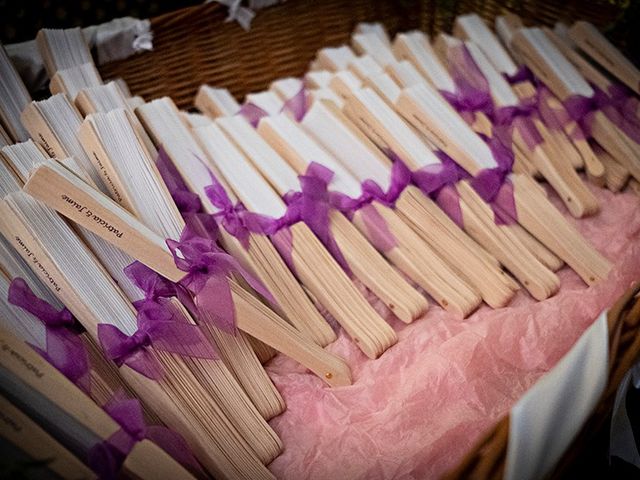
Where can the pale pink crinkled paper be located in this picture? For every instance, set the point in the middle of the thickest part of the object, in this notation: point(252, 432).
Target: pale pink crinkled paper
point(418, 409)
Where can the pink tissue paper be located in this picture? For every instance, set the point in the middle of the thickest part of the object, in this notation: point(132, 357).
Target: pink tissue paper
point(417, 410)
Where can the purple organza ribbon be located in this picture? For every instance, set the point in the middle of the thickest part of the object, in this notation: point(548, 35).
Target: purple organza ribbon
point(159, 327)
point(235, 218)
point(523, 74)
point(472, 89)
point(208, 270)
point(494, 187)
point(625, 101)
point(313, 203)
point(296, 105)
point(400, 178)
point(64, 348)
point(438, 182)
point(378, 231)
point(185, 200)
point(431, 178)
point(106, 458)
point(252, 113)
point(507, 120)
point(581, 109)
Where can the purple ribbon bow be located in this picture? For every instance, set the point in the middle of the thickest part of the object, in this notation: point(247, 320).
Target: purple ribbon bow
point(106, 458)
point(160, 327)
point(518, 118)
point(431, 178)
point(236, 219)
point(472, 89)
point(64, 348)
point(208, 269)
point(581, 109)
point(494, 187)
point(313, 203)
point(400, 178)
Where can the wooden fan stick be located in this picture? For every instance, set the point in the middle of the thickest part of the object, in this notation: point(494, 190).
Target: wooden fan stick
point(261, 256)
point(146, 460)
point(575, 195)
point(593, 43)
point(307, 256)
point(74, 199)
point(605, 132)
point(366, 263)
point(588, 263)
point(412, 255)
point(179, 411)
point(216, 102)
point(594, 169)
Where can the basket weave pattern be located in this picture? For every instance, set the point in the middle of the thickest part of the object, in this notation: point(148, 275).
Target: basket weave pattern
point(195, 45)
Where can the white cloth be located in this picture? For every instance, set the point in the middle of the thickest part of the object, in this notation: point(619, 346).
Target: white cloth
point(547, 418)
point(114, 40)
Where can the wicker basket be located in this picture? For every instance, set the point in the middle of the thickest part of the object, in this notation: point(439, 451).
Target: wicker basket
point(195, 46)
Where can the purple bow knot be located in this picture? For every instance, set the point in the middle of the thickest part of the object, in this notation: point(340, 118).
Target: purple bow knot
point(493, 186)
point(313, 203)
point(400, 178)
point(106, 457)
point(234, 218)
point(432, 178)
point(468, 100)
point(153, 285)
point(581, 109)
point(159, 327)
point(64, 348)
point(208, 270)
point(517, 118)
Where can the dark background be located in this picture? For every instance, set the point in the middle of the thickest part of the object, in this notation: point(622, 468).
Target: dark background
point(21, 19)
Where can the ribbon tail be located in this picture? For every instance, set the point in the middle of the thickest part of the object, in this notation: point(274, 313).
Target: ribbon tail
point(146, 364)
point(216, 300)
